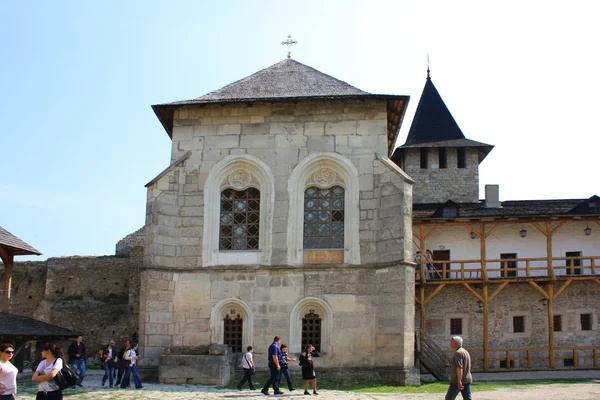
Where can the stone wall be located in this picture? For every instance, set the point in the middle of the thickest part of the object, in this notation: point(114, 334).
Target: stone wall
point(95, 296)
point(517, 299)
point(130, 243)
point(438, 185)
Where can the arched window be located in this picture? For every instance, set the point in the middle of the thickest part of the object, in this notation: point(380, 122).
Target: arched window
point(323, 211)
point(311, 322)
point(311, 330)
point(233, 329)
point(240, 219)
point(324, 218)
point(231, 324)
point(239, 197)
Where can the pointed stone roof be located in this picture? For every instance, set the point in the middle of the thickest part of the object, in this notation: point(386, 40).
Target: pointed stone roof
point(288, 80)
point(15, 245)
point(434, 126)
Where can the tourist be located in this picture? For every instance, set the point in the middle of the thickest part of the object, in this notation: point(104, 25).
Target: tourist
point(77, 359)
point(109, 355)
point(275, 361)
point(8, 372)
point(429, 261)
point(460, 371)
point(132, 357)
point(284, 367)
point(46, 371)
point(249, 368)
point(122, 362)
point(308, 370)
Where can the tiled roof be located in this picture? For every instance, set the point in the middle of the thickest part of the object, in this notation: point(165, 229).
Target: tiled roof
point(17, 325)
point(509, 209)
point(288, 80)
point(15, 245)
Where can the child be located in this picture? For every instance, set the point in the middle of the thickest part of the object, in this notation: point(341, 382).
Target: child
point(249, 368)
point(284, 367)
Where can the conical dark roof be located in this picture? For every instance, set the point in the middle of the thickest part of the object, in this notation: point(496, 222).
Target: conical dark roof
point(433, 122)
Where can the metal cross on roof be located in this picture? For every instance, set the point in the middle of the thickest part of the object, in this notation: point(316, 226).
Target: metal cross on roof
point(289, 42)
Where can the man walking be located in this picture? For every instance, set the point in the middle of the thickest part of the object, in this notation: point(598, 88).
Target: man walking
point(77, 359)
point(109, 355)
point(275, 362)
point(460, 371)
point(122, 362)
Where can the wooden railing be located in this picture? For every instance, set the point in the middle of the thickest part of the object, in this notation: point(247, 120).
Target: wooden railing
point(511, 268)
point(523, 358)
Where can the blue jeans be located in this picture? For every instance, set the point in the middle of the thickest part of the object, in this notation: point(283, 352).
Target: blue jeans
point(285, 372)
point(125, 381)
point(274, 377)
point(79, 368)
point(453, 392)
point(108, 373)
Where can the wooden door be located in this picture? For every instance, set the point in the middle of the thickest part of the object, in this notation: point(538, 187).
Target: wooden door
point(441, 255)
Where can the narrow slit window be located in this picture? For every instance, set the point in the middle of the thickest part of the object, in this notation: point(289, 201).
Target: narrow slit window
point(586, 322)
point(557, 323)
point(443, 157)
point(519, 324)
point(424, 160)
point(461, 157)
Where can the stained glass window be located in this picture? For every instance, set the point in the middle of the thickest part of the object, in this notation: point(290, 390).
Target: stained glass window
point(240, 219)
point(324, 218)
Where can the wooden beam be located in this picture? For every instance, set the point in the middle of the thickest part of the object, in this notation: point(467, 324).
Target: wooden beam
point(549, 250)
point(551, 323)
point(431, 231)
point(472, 291)
point(7, 259)
point(597, 281)
point(562, 288)
point(539, 228)
point(539, 289)
point(520, 221)
point(415, 234)
point(436, 291)
point(556, 228)
point(473, 230)
point(489, 233)
point(483, 253)
point(422, 269)
point(497, 291)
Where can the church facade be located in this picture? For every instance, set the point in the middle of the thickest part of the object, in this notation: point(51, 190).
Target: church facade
point(282, 214)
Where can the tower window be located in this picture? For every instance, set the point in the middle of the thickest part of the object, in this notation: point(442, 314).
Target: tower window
point(424, 160)
point(443, 157)
point(461, 157)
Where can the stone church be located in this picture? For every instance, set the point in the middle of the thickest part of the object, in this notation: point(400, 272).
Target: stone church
point(281, 213)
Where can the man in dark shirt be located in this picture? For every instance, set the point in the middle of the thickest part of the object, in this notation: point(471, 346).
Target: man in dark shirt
point(122, 362)
point(460, 371)
point(77, 358)
point(275, 362)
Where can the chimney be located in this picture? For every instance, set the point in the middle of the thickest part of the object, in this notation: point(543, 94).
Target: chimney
point(492, 196)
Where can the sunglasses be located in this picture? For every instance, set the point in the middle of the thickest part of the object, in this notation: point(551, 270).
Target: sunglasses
point(9, 352)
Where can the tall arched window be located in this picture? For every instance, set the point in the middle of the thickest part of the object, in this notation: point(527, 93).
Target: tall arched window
point(324, 218)
point(323, 211)
point(311, 322)
point(239, 197)
point(311, 330)
point(240, 219)
point(233, 330)
point(231, 324)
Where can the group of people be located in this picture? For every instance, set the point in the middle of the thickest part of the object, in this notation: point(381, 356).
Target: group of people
point(278, 362)
point(124, 361)
point(428, 263)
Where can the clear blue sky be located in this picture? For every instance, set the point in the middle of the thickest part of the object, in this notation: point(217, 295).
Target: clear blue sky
point(77, 78)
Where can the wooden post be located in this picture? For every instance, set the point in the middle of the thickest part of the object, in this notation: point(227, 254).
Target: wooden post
point(551, 323)
point(8, 259)
point(482, 238)
point(422, 268)
point(549, 250)
point(485, 328)
point(422, 290)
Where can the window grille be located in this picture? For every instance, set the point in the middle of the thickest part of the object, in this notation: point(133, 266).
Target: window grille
point(557, 323)
point(240, 219)
point(311, 331)
point(232, 332)
point(324, 218)
point(456, 326)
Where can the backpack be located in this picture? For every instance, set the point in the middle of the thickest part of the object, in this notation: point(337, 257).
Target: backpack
point(65, 378)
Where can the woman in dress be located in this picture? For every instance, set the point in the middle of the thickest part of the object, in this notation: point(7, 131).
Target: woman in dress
point(8, 372)
point(308, 370)
point(46, 371)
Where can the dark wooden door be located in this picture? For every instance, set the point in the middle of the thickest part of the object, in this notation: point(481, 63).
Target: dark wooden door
point(441, 255)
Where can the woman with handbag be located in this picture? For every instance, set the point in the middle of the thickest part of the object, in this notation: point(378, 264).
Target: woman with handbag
point(249, 368)
point(46, 371)
point(132, 357)
point(8, 373)
point(308, 370)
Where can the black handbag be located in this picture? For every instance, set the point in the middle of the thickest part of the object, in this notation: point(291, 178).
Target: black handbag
point(65, 378)
point(252, 369)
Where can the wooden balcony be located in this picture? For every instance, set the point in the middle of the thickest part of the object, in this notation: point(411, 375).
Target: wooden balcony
point(512, 269)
